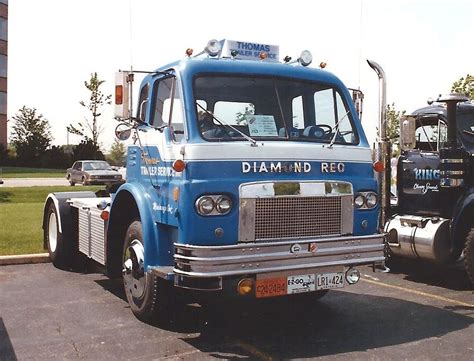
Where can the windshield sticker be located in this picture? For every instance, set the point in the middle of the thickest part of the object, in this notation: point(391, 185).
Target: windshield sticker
point(262, 126)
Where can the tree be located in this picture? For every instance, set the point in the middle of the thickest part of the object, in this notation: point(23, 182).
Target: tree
point(86, 149)
point(90, 129)
point(31, 136)
point(393, 127)
point(117, 153)
point(464, 86)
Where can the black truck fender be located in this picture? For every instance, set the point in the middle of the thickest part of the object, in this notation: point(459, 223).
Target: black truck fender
point(462, 221)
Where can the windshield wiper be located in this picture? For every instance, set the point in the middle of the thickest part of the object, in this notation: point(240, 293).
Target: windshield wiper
point(337, 129)
point(467, 132)
point(221, 122)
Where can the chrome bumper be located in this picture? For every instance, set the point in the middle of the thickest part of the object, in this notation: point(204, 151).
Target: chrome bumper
point(253, 258)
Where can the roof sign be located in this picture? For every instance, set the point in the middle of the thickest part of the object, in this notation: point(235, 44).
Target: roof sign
point(249, 50)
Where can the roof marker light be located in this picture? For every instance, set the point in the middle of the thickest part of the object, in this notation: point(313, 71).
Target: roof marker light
point(305, 58)
point(213, 47)
point(234, 53)
point(287, 59)
point(322, 65)
point(189, 51)
point(378, 166)
point(263, 55)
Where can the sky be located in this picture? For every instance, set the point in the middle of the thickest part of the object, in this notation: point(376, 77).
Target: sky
point(54, 46)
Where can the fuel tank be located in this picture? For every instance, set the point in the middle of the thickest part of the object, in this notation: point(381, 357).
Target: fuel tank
point(420, 237)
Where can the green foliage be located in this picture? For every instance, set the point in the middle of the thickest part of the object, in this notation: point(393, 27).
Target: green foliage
point(90, 129)
point(4, 155)
point(117, 154)
point(31, 136)
point(393, 127)
point(87, 149)
point(241, 118)
point(464, 85)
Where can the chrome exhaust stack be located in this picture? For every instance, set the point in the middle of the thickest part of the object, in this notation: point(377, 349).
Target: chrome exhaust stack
point(383, 150)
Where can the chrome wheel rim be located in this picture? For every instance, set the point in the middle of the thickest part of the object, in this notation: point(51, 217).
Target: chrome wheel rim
point(134, 277)
point(52, 232)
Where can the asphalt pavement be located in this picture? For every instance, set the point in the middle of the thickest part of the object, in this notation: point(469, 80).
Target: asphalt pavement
point(414, 312)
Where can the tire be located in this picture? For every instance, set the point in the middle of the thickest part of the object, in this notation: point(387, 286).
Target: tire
point(70, 180)
point(83, 181)
point(469, 255)
point(60, 251)
point(149, 297)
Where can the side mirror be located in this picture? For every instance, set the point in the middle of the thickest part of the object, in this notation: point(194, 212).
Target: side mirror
point(123, 131)
point(407, 132)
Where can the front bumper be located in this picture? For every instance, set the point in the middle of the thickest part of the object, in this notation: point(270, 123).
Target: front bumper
point(264, 257)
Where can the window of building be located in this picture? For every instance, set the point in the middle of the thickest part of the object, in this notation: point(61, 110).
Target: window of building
point(3, 66)
point(3, 103)
point(3, 29)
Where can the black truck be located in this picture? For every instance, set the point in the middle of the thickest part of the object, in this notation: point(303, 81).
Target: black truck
point(434, 217)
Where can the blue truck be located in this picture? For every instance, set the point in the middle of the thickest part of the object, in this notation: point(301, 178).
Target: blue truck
point(249, 177)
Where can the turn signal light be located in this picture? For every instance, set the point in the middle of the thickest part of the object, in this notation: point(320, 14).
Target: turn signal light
point(245, 286)
point(378, 166)
point(179, 165)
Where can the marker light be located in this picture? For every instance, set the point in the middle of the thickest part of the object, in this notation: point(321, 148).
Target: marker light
point(119, 94)
point(263, 55)
point(305, 58)
point(189, 51)
point(322, 65)
point(234, 53)
point(179, 165)
point(213, 47)
point(287, 59)
point(104, 215)
point(378, 166)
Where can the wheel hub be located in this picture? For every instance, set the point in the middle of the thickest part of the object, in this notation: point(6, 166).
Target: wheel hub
point(133, 269)
point(52, 232)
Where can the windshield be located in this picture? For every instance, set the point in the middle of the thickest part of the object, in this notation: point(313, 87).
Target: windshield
point(271, 109)
point(96, 166)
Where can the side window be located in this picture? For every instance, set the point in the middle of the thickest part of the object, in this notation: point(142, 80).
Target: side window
point(78, 166)
point(297, 112)
point(324, 107)
point(142, 103)
point(429, 136)
point(161, 91)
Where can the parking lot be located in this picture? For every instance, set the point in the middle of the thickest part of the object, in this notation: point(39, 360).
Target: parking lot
point(413, 312)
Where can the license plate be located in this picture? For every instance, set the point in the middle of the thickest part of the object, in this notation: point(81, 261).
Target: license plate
point(270, 287)
point(326, 281)
point(301, 283)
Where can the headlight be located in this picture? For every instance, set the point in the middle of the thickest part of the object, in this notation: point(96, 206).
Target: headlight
point(365, 200)
point(205, 206)
point(223, 205)
point(213, 205)
point(359, 201)
point(371, 200)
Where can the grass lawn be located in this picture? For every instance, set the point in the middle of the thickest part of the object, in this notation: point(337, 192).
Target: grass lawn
point(23, 172)
point(21, 217)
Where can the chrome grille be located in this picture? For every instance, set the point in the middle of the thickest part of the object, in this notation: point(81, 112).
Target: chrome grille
point(288, 217)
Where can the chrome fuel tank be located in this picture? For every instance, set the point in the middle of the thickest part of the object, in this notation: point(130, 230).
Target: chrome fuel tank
point(419, 237)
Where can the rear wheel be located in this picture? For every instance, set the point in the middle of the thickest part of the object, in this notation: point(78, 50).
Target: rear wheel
point(69, 178)
point(59, 249)
point(150, 297)
point(469, 255)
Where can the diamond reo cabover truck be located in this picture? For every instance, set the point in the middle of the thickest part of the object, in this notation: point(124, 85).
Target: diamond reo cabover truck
point(249, 177)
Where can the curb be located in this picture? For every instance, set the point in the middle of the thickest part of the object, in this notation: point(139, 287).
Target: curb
point(24, 259)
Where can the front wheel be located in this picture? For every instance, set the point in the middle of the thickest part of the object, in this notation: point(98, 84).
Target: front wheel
point(149, 297)
point(469, 255)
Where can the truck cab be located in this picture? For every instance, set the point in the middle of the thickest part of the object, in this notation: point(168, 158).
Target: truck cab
point(249, 177)
point(433, 219)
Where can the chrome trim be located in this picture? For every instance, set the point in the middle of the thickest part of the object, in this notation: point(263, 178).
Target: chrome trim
point(240, 259)
point(450, 182)
point(457, 161)
point(451, 172)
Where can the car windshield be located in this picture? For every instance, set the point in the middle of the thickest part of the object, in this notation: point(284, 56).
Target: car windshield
point(228, 108)
point(96, 166)
point(465, 124)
